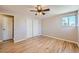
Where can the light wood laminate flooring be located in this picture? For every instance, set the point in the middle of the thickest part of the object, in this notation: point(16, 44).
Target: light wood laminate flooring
point(39, 44)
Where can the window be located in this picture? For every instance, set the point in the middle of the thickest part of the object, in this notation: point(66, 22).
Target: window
point(69, 21)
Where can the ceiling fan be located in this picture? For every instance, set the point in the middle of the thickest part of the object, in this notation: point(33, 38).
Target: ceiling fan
point(40, 10)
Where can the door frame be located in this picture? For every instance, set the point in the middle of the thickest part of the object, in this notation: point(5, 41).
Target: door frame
point(12, 24)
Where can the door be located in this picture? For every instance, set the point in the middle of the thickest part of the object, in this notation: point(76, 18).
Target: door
point(4, 28)
point(7, 27)
point(36, 27)
point(29, 28)
point(33, 27)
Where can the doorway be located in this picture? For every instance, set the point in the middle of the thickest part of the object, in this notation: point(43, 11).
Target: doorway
point(7, 27)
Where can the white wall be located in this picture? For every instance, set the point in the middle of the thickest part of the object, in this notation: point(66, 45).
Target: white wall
point(52, 27)
point(19, 27)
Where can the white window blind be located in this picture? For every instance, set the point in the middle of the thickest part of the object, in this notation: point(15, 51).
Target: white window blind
point(69, 21)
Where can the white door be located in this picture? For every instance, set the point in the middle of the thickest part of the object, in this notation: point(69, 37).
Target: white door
point(4, 28)
point(35, 27)
point(29, 28)
point(7, 27)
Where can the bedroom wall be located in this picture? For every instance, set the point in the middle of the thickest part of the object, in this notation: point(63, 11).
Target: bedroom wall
point(19, 27)
point(52, 27)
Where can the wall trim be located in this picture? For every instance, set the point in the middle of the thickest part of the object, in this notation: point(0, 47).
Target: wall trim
point(61, 39)
point(16, 40)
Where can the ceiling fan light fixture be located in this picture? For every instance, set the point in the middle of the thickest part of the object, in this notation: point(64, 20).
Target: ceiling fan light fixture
point(38, 13)
point(40, 10)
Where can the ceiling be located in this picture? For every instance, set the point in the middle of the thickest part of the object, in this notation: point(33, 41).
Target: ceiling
point(25, 9)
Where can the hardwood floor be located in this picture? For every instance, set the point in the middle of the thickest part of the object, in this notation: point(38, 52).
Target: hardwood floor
point(39, 44)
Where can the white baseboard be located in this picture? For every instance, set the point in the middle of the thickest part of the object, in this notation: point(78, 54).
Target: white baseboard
point(16, 40)
point(62, 39)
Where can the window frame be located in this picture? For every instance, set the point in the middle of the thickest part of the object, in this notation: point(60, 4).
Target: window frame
point(68, 25)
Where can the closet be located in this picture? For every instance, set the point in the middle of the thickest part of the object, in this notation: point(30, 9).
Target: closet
point(33, 27)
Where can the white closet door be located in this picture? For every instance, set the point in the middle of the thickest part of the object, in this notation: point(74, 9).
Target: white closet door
point(10, 27)
point(29, 28)
point(35, 27)
point(5, 28)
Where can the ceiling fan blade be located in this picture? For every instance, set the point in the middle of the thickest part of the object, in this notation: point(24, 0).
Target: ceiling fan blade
point(33, 10)
point(46, 10)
